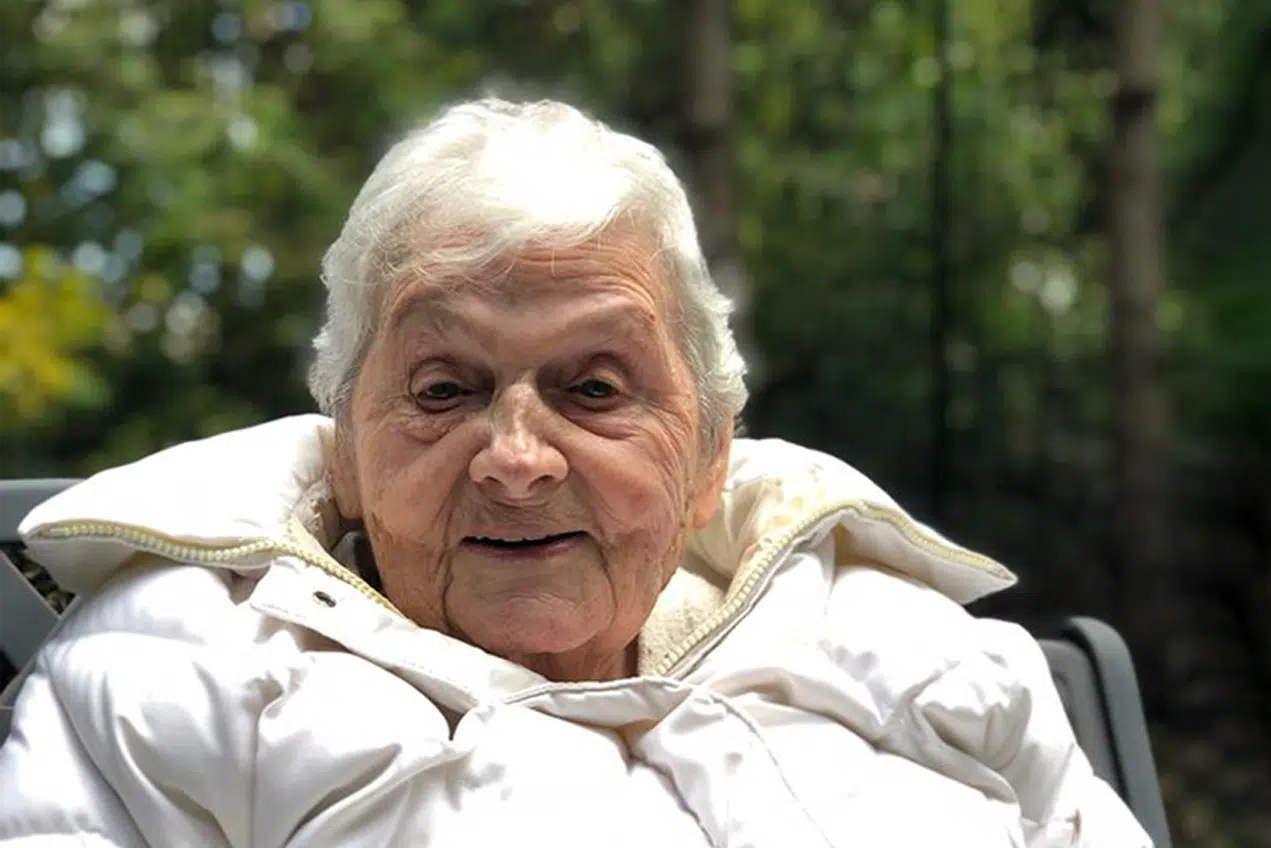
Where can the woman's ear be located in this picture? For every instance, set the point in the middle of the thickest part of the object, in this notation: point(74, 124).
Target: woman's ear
point(341, 456)
point(712, 473)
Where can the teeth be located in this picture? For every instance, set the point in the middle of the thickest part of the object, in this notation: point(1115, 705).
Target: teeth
point(514, 539)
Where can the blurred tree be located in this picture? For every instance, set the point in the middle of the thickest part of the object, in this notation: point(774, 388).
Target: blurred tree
point(707, 140)
point(1136, 286)
point(941, 329)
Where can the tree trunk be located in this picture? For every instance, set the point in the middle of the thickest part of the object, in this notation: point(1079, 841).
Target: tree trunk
point(941, 320)
point(708, 125)
point(1136, 272)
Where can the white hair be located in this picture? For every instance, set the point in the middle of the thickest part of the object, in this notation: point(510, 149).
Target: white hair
point(504, 175)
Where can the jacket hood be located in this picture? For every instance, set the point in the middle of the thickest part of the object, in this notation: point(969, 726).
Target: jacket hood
point(238, 495)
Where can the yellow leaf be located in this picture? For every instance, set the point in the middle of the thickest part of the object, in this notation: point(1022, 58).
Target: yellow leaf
point(49, 317)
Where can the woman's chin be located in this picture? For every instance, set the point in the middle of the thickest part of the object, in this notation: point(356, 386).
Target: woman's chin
point(522, 628)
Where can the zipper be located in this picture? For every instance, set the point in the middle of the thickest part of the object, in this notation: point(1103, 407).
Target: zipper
point(715, 625)
point(155, 543)
point(909, 529)
point(676, 663)
point(709, 631)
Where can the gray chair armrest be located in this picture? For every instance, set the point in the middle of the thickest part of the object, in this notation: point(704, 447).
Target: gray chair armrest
point(1128, 755)
point(18, 497)
point(27, 619)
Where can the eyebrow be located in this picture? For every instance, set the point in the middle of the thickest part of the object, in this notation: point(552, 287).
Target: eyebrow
point(436, 310)
point(433, 307)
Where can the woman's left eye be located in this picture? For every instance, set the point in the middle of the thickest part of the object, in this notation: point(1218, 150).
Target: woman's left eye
point(595, 389)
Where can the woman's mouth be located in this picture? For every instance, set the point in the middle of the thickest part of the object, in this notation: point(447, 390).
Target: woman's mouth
point(543, 545)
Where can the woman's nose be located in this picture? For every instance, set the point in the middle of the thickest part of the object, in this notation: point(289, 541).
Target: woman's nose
point(517, 462)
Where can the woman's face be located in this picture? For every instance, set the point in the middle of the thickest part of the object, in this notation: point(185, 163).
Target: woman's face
point(524, 452)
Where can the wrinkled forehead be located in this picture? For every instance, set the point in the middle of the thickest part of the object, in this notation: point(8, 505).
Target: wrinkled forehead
point(619, 260)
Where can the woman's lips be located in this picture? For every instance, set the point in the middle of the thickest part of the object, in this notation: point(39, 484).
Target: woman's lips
point(521, 547)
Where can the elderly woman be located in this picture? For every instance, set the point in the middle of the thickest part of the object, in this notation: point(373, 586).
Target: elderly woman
point(521, 584)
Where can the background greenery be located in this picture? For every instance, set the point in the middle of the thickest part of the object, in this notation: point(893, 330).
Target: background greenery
point(171, 172)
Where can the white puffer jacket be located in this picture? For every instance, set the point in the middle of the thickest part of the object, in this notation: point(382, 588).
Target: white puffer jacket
point(808, 678)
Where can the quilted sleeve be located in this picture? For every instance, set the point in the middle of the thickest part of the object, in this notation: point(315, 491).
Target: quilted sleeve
point(138, 724)
point(53, 794)
point(1000, 707)
point(971, 700)
point(157, 720)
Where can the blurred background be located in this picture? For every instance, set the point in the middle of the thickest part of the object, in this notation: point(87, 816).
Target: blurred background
point(1011, 258)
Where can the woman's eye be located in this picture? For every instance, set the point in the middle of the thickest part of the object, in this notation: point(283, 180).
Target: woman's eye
point(440, 393)
point(595, 389)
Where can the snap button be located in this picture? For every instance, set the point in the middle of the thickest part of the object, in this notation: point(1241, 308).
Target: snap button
point(324, 599)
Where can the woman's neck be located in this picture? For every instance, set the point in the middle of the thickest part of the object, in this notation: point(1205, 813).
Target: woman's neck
point(577, 667)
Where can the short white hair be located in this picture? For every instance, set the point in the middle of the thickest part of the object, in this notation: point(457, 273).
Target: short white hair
point(513, 174)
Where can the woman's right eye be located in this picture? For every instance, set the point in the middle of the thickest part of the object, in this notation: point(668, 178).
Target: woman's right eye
point(441, 391)
point(440, 396)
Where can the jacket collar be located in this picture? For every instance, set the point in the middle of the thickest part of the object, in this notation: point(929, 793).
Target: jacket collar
point(258, 484)
point(237, 488)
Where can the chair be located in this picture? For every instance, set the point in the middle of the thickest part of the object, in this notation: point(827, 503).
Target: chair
point(1089, 661)
point(25, 619)
point(1094, 673)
